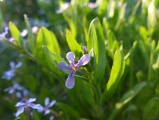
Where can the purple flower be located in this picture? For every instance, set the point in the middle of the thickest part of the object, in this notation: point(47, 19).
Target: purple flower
point(12, 89)
point(48, 105)
point(70, 82)
point(2, 35)
point(25, 104)
point(11, 73)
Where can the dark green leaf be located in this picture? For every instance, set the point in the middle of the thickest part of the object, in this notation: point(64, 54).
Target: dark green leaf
point(151, 109)
point(53, 57)
point(127, 97)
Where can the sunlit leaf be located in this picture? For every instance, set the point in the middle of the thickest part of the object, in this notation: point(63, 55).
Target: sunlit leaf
point(47, 38)
point(73, 45)
point(116, 74)
point(16, 34)
point(97, 39)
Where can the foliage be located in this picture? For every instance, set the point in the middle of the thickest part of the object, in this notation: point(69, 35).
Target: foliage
point(119, 82)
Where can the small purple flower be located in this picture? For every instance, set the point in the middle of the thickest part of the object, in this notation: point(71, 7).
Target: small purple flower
point(2, 35)
point(11, 73)
point(51, 117)
point(70, 82)
point(27, 103)
point(48, 105)
point(12, 89)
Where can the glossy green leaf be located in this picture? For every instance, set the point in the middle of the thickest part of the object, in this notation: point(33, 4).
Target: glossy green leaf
point(151, 109)
point(31, 38)
point(127, 97)
point(116, 74)
point(47, 38)
point(53, 57)
point(73, 45)
point(97, 36)
point(16, 34)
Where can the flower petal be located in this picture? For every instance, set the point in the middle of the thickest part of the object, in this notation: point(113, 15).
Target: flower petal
point(20, 110)
point(70, 56)
point(52, 103)
point(70, 82)
point(83, 60)
point(64, 66)
point(18, 64)
point(20, 104)
point(35, 106)
point(46, 101)
point(47, 111)
point(32, 99)
point(12, 65)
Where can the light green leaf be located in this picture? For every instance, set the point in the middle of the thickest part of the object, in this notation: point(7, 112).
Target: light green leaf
point(31, 37)
point(16, 34)
point(47, 38)
point(127, 97)
point(53, 57)
point(115, 75)
point(151, 109)
point(97, 39)
point(152, 15)
point(73, 45)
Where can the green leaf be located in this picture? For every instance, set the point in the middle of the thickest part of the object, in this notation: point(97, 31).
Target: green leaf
point(53, 57)
point(31, 37)
point(152, 15)
point(115, 75)
point(35, 115)
point(47, 38)
point(68, 111)
point(73, 45)
point(151, 109)
point(97, 38)
point(127, 97)
point(16, 34)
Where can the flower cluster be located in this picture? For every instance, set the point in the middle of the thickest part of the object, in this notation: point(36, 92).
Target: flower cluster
point(11, 73)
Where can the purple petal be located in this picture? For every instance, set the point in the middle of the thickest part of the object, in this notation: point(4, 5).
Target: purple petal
point(20, 110)
point(70, 56)
point(70, 82)
point(83, 60)
point(12, 65)
point(47, 111)
point(46, 101)
point(18, 64)
point(32, 100)
point(52, 103)
point(20, 104)
point(64, 66)
point(52, 118)
point(36, 106)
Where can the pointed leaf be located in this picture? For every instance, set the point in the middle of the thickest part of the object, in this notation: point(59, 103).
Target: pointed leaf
point(53, 57)
point(73, 45)
point(16, 34)
point(47, 38)
point(97, 37)
point(127, 97)
point(31, 37)
point(151, 109)
point(116, 74)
